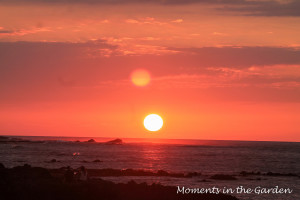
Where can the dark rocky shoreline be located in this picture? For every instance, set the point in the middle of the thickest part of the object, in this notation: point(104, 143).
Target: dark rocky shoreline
point(128, 172)
point(35, 183)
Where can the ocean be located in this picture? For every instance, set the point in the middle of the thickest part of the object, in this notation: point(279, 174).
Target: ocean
point(254, 165)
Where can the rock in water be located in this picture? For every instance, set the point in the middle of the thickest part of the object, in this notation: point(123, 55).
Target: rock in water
point(116, 141)
point(91, 140)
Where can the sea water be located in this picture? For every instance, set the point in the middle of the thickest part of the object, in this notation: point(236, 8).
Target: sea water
point(178, 156)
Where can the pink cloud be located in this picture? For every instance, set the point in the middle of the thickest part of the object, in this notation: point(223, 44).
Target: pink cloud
point(146, 20)
point(177, 21)
point(277, 76)
point(219, 34)
point(22, 32)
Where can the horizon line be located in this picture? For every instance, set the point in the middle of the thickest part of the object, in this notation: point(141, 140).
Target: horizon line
point(114, 137)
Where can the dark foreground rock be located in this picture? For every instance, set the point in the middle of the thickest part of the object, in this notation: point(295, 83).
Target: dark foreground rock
point(244, 173)
point(223, 177)
point(36, 183)
point(126, 172)
point(131, 172)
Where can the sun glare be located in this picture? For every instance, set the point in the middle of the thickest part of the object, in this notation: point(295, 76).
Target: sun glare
point(140, 77)
point(153, 122)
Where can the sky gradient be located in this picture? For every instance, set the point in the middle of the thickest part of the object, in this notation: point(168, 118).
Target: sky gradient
point(220, 69)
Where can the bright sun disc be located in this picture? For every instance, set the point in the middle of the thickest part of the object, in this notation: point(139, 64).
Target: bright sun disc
point(153, 122)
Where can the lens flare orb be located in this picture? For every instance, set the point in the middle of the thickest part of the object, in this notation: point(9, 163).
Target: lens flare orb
point(140, 77)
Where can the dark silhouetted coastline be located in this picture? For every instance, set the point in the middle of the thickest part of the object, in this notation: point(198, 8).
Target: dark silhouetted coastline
point(36, 183)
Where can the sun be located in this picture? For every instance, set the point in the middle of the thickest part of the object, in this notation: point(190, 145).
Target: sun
point(153, 122)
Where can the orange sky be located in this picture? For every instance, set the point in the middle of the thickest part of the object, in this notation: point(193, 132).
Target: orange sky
point(226, 70)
